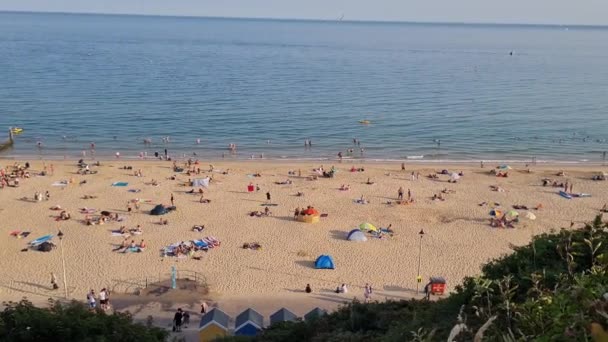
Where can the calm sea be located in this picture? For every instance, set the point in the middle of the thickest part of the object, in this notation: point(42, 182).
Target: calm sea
point(438, 91)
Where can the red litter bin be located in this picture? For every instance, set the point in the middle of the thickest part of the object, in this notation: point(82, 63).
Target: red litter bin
point(250, 188)
point(437, 285)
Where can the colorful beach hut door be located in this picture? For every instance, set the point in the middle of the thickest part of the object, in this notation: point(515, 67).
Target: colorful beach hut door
point(248, 329)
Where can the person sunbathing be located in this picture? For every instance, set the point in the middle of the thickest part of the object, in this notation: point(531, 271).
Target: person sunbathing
point(604, 208)
point(137, 230)
point(142, 244)
point(252, 245)
point(388, 229)
point(64, 215)
point(123, 230)
point(122, 246)
point(163, 222)
point(369, 182)
point(345, 187)
point(198, 228)
point(267, 211)
point(362, 200)
point(438, 197)
point(204, 200)
point(432, 176)
point(255, 213)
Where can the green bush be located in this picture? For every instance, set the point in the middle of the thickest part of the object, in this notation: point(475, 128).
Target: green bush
point(23, 322)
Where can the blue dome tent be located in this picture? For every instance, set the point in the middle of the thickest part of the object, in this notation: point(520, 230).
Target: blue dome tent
point(325, 262)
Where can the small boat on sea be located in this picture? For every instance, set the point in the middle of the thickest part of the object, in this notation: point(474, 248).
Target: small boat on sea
point(16, 130)
point(364, 122)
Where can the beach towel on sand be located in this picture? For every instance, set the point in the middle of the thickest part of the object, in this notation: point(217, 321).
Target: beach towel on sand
point(120, 184)
point(41, 240)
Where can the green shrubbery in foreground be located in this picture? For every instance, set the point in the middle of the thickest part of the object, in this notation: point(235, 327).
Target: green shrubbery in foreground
point(554, 289)
point(71, 322)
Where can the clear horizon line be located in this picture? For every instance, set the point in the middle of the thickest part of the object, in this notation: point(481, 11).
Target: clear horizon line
point(312, 19)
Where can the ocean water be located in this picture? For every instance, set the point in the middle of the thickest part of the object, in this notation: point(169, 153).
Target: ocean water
point(267, 85)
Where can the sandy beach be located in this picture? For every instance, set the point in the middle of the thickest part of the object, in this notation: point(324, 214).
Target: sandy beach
point(457, 240)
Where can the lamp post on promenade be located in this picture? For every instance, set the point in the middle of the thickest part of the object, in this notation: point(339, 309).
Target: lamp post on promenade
point(60, 235)
point(418, 277)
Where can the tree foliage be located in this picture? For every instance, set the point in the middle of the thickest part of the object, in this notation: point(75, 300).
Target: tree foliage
point(23, 322)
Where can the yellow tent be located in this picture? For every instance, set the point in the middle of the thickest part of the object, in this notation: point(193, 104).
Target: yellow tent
point(368, 226)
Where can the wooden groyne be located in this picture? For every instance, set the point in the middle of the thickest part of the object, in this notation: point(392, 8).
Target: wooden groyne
point(7, 144)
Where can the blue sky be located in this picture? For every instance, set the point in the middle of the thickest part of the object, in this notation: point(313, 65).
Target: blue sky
point(587, 12)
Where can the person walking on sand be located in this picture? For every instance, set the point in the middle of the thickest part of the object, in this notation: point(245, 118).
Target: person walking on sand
point(103, 299)
point(409, 194)
point(186, 319)
point(54, 281)
point(367, 293)
point(296, 213)
point(172, 200)
point(204, 308)
point(571, 185)
point(268, 197)
point(400, 193)
point(427, 290)
point(91, 300)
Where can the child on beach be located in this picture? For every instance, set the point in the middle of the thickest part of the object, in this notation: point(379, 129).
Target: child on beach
point(54, 281)
point(367, 293)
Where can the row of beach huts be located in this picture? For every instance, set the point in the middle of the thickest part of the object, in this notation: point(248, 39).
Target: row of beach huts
point(215, 323)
